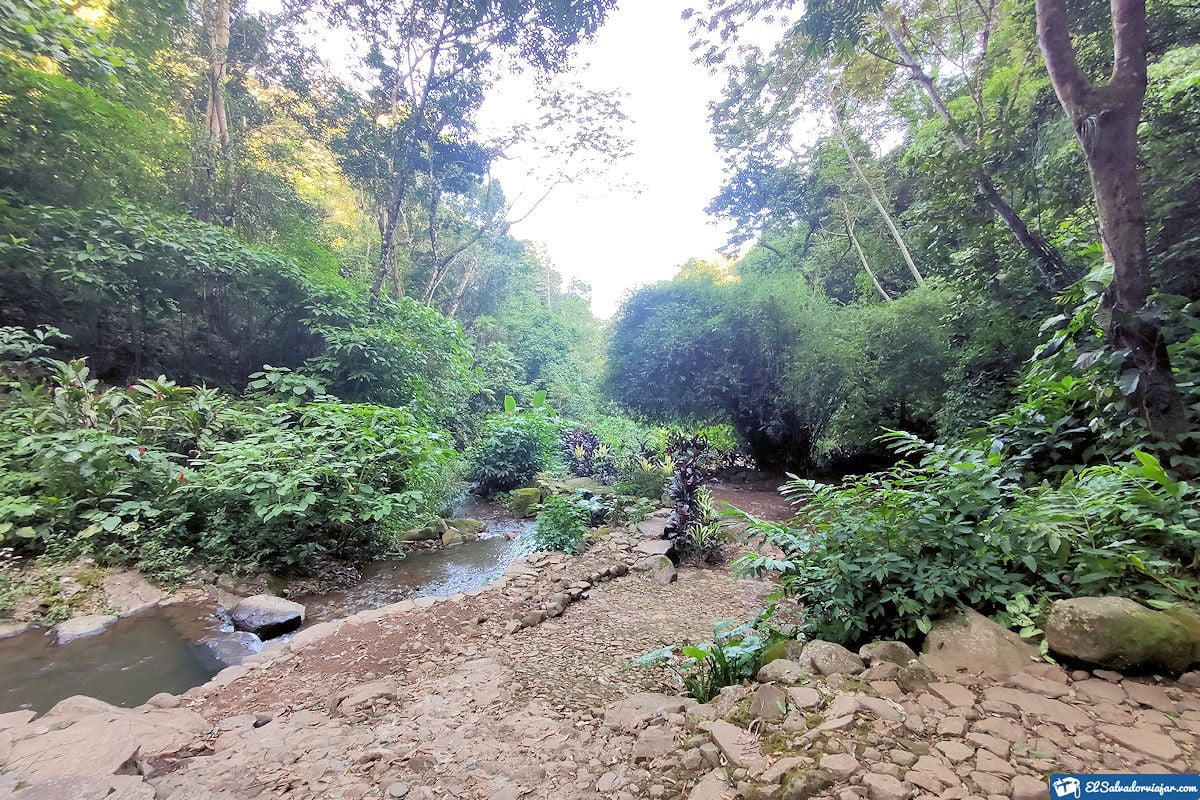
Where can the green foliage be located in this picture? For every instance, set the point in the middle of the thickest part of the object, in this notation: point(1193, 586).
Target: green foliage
point(735, 654)
point(515, 446)
point(883, 554)
point(156, 473)
point(562, 524)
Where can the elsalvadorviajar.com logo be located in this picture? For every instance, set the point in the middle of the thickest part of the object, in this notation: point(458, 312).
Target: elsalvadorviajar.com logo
point(1126, 786)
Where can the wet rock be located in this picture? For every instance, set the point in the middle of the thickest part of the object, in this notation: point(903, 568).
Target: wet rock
point(893, 652)
point(267, 616)
point(525, 500)
point(233, 648)
point(1118, 633)
point(82, 627)
point(467, 527)
point(452, 536)
point(426, 534)
point(968, 640)
point(8, 629)
point(832, 659)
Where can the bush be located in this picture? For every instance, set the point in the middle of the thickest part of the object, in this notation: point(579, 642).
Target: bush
point(515, 446)
point(884, 553)
point(735, 654)
point(155, 473)
point(562, 524)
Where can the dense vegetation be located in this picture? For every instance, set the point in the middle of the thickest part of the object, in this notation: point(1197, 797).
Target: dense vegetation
point(258, 315)
point(968, 265)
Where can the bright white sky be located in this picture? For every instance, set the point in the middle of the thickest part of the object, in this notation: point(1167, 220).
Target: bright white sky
point(608, 236)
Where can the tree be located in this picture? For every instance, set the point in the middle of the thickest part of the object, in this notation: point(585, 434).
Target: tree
point(1105, 117)
point(433, 60)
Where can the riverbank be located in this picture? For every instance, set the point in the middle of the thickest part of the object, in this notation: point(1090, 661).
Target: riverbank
point(522, 691)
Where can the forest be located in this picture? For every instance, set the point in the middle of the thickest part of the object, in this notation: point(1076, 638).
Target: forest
point(262, 312)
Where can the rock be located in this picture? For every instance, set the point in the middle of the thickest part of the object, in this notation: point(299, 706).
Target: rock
point(1191, 679)
point(656, 547)
point(467, 527)
point(783, 671)
point(713, 786)
point(1053, 710)
point(635, 711)
point(452, 536)
point(832, 659)
point(840, 766)
point(64, 787)
point(100, 743)
point(652, 528)
point(82, 627)
point(653, 743)
point(397, 789)
point(737, 746)
point(803, 784)
point(1118, 633)
point(914, 676)
point(769, 702)
point(426, 534)
point(128, 591)
point(163, 700)
point(8, 629)
point(1046, 688)
point(660, 568)
point(955, 694)
point(969, 641)
point(1143, 740)
point(524, 500)
point(1026, 787)
point(267, 616)
point(803, 697)
point(232, 649)
point(366, 695)
point(885, 787)
point(893, 652)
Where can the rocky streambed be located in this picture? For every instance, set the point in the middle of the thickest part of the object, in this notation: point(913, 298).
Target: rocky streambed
point(171, 644)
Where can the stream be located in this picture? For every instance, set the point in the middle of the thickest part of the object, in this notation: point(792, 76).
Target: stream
point(172, 648)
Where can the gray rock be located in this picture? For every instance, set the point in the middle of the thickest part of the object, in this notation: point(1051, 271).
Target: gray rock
point(267, 616)
point(660, 568)
point(653, 743)
point(783, 671)
point(82, 627)
point(635, 711)
point(969, 641)
point(1118, 633)
point(832, 659)
point(233, 648)
point(452, 536)
point(656, 547)
point(893, 652)
point(769, 702)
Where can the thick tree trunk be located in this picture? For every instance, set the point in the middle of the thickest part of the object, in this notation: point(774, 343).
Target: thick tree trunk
point(1048, 259)
point(1106, 119)
point(217, 19)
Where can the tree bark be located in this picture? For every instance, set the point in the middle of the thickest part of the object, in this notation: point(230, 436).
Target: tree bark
point(1047, 257)
point(1105, 118)
point(217, 20)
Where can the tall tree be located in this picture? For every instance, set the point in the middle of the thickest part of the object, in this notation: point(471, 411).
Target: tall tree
point(1105, 117)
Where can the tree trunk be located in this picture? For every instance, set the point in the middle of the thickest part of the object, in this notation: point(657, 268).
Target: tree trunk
point(883, 295)
point(887, 217)
point(1105, 118)
point(1048, 259)
point(217, 20)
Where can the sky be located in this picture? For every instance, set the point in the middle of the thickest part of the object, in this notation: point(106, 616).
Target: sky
point(601, 231)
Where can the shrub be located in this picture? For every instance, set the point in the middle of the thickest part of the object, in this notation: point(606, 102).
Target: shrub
point(515, 446)
point(586, 455)
point(883, 554)
point(735, 654)
point(155, 473)
point(561, 525)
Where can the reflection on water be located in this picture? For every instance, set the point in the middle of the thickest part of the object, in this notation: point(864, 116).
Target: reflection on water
point(159, 650)
point(136, 658)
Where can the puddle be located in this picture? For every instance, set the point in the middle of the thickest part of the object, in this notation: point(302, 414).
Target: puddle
point(161, 650)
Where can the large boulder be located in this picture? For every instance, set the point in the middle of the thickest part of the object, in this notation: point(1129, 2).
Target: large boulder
point(232, 649)
point(524, 500)
point(1117, 633)
point(968, 641)
point(267, 616)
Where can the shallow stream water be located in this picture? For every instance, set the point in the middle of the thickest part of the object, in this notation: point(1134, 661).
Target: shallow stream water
point(163, 649)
